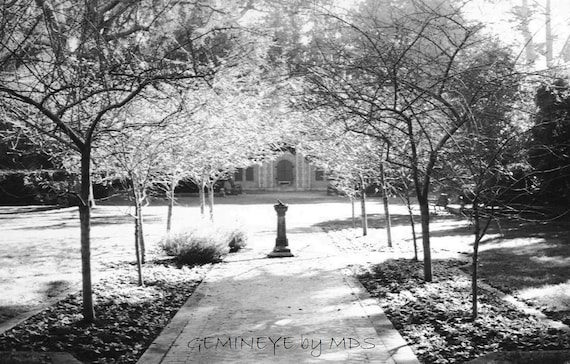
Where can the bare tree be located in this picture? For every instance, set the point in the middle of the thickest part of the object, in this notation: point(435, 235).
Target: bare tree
point(350, 159)
point(135, 153)
point(398, 72)
point(65, 67)
point(480, 159)
point(238, 125)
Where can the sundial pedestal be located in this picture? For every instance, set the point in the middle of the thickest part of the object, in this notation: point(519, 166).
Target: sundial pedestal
point(281, 249)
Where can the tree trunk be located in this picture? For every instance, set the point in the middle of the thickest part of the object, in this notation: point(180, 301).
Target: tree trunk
point(85, 228)
point(363, 211)
point(138, 235)
point(549, 39)
point(386, 206)
point(407, 200)
point(91, 195)
point(527, 35)
point(202, 199)
point(424, 213)
point(211, 201)
point(422, 192)
point(353, 213)
point(170, 195)
point(475, 262)
point(140, 221)
point(565, 52)
point(388, 222)
point(413, 226)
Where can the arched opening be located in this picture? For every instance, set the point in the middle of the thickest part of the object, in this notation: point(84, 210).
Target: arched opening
point(284, 172)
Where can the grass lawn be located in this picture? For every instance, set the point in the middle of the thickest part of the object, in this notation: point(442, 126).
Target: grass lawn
point(40, 256)
point(532, 262)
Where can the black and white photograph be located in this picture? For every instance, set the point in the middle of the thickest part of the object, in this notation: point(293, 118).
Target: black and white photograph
point(284, 181)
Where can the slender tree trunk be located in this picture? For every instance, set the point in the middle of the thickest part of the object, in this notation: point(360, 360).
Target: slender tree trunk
point(211, 200)
point(202, 199)
point(353, 212)
point(386, 206)
point(549, 39)
point(363, 211)
point(527, 35)
point(388, 221)
point(424, 215)
point(140, 220)
point(170, 195)
point(91, 195)
point(475, 262)
point(407, 200)
point(85, 228)
point(422, 191)
point(413, 226)
point(138, 235)
point(565, 52)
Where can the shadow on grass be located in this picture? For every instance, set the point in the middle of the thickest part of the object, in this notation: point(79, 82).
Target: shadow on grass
point(121, 219)
point(528, 266)
point(8, 312)
point(56, 288)
point(514, 229)
point(377, 221)
point(50, 226)
point(515, 255)
point(526, 254)
point(95, 221)
point(270, 198)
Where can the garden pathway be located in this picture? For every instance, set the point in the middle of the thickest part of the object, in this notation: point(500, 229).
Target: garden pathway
point(304, 309)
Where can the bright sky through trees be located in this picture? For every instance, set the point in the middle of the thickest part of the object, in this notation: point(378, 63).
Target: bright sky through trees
point(499, 16)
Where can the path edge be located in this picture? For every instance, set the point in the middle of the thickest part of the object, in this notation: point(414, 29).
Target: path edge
point(399, 350)
point(158, 349)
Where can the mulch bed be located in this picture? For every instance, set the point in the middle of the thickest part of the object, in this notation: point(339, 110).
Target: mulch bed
point(129, 317)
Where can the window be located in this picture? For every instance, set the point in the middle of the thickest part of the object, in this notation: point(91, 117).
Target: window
point(238, 175)
point(319, 175)
point(249, 174)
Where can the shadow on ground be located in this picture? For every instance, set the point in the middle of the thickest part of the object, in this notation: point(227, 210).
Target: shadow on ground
point(289, 198)
point(526, 258)
point(377, 221)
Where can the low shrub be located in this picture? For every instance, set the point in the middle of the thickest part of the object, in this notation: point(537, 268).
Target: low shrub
point(208, 244)
point(237, 240)
point(193, 248)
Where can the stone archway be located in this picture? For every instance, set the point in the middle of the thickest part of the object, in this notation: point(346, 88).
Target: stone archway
point(284, 172)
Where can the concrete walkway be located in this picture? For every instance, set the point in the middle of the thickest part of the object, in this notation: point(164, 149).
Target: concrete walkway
point(304, 309)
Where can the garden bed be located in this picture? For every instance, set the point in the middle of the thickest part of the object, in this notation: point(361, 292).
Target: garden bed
point(434, 318)
point(129, 317)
